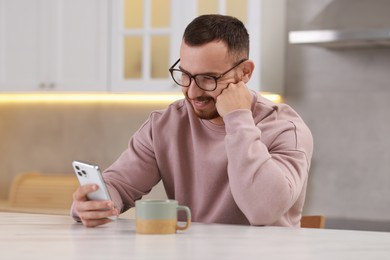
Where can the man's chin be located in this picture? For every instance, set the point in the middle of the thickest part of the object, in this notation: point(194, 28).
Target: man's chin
point(206, 116)
point(202, 114)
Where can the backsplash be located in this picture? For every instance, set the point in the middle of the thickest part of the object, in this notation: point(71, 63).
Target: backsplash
point(47, 137)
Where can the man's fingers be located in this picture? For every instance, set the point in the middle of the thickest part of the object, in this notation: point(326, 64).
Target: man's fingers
point(97, 214)
point(95, 222)
point(81, 193)
point(92, 212)
point(235, 96)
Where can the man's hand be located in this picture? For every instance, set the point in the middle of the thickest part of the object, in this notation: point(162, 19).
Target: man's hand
point(233, 97)
point(92, 213)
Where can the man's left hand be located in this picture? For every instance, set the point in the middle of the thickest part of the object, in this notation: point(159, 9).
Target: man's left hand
point(233, 97)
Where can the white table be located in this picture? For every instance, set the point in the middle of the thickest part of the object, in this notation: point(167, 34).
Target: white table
point(37, 236)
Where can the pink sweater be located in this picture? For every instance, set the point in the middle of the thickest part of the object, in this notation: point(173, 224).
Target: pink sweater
point(253, 170)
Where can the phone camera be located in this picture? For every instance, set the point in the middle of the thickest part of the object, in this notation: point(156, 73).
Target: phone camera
point(81, 173)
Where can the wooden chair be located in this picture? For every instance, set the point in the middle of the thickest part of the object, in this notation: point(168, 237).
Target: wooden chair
point(313, 221)
point(42, 191)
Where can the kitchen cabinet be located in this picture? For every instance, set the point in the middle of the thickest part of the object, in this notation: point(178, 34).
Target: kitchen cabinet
point(122, 45)
point(53, 45)
point(143, 47)
point(146, 37)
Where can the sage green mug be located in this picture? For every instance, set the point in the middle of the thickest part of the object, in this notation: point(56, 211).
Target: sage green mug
point(159, 216)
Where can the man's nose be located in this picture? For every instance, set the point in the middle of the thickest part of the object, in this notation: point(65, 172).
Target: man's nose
point(194, 90)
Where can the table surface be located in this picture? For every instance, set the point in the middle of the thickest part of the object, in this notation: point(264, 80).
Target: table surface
point(39, 236)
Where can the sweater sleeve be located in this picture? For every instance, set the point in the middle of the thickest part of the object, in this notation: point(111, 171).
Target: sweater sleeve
point(266, 173)
point(135, 172)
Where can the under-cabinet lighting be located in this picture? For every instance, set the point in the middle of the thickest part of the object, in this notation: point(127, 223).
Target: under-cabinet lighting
point(101, 97)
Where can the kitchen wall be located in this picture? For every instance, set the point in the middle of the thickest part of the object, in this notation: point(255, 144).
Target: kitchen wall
point(344, 97)
point(47, 137)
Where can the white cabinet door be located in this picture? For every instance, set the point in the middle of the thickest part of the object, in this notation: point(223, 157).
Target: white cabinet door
point(78, 44)
point(144, 36)
point(53, 45)
point(21, 45)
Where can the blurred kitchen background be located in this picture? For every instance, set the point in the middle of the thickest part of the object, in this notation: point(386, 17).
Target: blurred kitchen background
point(72, 74)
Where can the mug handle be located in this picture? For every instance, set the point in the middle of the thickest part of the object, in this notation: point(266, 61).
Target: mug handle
point(188, 212)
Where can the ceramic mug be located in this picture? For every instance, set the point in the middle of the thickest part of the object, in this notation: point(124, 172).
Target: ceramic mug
point(159, 216)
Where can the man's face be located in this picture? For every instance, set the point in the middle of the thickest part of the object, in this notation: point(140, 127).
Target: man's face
point(211, 59)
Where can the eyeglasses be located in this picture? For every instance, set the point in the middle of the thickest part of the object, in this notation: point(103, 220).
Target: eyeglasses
point(203, 81)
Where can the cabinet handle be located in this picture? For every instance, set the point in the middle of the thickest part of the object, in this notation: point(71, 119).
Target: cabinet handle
point(44, 85)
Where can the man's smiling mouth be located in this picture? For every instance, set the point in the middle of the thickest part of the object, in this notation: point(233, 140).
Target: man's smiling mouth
point(202, 100)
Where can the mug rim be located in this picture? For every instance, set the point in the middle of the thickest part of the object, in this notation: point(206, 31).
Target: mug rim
point(155, 201)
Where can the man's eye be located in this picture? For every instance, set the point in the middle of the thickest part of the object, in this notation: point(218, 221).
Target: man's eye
point(207, 78)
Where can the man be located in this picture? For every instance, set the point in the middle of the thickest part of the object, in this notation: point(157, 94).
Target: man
point(229, 154)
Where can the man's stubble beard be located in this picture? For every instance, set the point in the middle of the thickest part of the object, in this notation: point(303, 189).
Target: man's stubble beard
point(206, 115)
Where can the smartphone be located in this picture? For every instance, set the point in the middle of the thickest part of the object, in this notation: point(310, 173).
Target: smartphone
point(90, 174)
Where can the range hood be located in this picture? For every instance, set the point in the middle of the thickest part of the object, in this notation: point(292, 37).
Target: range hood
point(342, 38)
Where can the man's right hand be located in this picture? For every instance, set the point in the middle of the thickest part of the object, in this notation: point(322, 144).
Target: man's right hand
point(92, 213)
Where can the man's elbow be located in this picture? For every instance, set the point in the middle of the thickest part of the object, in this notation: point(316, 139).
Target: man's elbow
point(266, 214)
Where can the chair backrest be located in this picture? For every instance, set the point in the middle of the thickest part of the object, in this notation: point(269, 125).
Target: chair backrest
point(43, 191)
point(313, 221)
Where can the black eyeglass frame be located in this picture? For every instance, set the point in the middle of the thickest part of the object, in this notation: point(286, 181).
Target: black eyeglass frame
point(216, 78)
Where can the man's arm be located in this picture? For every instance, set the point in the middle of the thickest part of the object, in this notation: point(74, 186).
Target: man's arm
point(266, 173)
point(135, 172)
point(130, 177)
point(266, 179)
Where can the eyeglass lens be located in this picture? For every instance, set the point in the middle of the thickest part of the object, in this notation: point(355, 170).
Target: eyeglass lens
point(204, 82)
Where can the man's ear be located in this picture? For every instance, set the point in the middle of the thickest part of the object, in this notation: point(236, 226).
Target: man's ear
point(247, 70)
